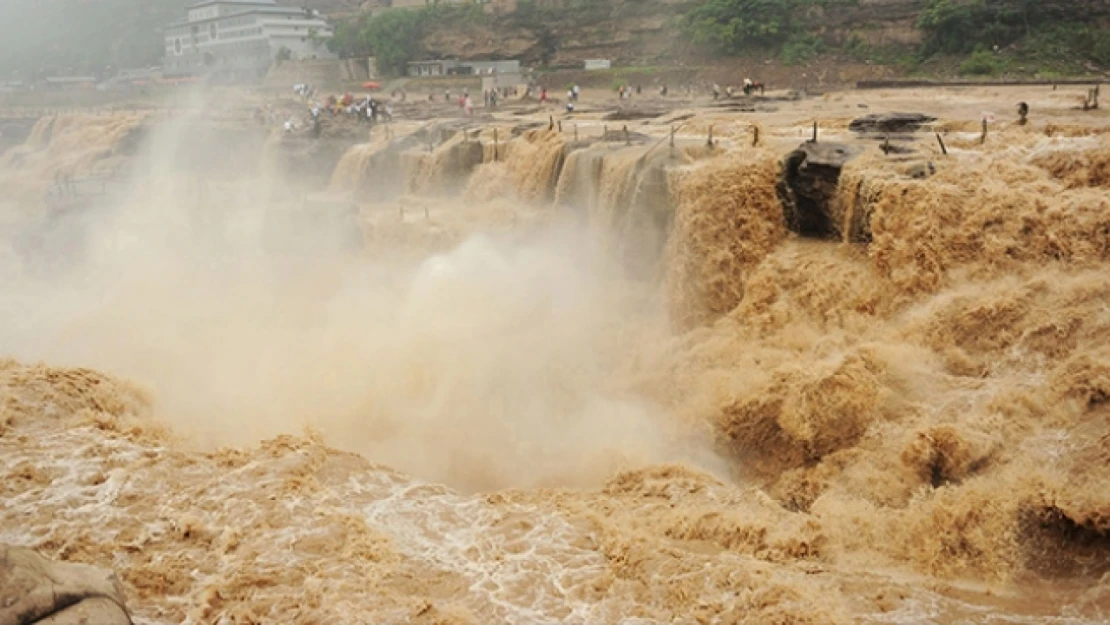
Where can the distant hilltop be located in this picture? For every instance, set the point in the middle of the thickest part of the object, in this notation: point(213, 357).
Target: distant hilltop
point(1057, 36)
point(41, 38)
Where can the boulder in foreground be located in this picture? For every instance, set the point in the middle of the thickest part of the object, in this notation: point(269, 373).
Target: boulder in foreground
point(38, 591)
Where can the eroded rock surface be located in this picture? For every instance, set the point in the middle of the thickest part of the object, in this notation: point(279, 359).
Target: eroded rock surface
point(38, 591)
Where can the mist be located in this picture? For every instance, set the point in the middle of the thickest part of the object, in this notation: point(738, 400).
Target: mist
point(500, 362)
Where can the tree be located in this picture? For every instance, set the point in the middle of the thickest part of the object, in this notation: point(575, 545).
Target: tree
point(348, 41)
point(732, 26)
point(314, 38)
point(394, 37)
point(951, 25)
point(283, 54)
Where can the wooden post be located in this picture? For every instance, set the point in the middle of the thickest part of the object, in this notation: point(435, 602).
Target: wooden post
point(755, 136)
point(495, 145)
point(672, 136)
point(560, 124)
point(943, 149)
point(576, 133)
point(604, 132)
point(627, 139)
point(815, 131)
point(550, 122)
point(709, 142)
point(983, 137)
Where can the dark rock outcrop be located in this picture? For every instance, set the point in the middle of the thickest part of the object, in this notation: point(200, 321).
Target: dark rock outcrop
point(890, 122)
point(808, 191)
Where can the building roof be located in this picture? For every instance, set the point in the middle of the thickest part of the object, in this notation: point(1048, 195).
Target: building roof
point(204, 3)
point(262, 9)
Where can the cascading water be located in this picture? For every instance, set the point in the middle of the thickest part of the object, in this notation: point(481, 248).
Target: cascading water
point(507, 426)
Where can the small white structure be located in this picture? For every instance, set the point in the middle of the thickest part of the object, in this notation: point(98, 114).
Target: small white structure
point(444, 67)
point(503, 81)
point(238, 40)
point(595, 64)
point(438, 67)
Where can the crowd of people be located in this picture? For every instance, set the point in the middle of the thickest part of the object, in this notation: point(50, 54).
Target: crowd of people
point(366, 109)
point(370, 110)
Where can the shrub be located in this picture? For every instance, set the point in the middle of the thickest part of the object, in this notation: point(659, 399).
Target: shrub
point(800, 48)
point(980, 63)
point(731, 26)
point(1100, 49)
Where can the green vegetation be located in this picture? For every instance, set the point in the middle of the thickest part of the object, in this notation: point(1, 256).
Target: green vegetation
point(736, 26)
point(801, 48)
point(394, 36)
point(971, 37)
point(980, 63)
point(1028, 31)
point(283, 54)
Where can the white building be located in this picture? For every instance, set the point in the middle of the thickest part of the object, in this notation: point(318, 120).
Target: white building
point(238, 40)
point(444, 67)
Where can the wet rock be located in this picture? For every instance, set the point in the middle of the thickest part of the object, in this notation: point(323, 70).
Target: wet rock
point(631, 113)
point(919, 171)
point(889, 148)
point(808, 190)
point(37, 591)
point(890, 122)
point(622, 134)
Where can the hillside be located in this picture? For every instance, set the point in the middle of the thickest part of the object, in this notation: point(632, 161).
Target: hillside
point(648, 32)
point(1058, 36)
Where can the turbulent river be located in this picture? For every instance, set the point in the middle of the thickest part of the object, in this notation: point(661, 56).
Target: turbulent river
point(554, 379)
